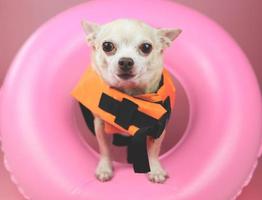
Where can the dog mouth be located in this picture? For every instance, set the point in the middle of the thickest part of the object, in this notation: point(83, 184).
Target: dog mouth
point(126, 76)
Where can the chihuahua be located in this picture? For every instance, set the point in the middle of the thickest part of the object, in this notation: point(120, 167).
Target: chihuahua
point(128, 55)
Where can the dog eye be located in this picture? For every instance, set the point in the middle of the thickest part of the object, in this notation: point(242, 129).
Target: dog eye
point(145, 48)
point(108, 47)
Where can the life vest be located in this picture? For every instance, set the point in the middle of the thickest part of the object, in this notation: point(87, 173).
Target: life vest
point(137, 116)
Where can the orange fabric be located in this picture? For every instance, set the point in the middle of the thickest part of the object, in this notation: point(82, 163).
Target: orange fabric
point(89, 89)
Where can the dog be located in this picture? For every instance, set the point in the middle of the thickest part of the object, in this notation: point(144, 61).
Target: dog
point(128, 55)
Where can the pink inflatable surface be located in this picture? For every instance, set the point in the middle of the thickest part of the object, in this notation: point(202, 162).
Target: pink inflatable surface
point(48, 158)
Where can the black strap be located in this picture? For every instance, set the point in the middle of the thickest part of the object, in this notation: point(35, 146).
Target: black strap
point(126, 112)
point(136, 150)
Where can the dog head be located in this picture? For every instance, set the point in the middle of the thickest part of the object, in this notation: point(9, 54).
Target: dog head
point(128, 53)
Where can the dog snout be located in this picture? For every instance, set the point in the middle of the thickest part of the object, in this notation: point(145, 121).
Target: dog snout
point(126, 64)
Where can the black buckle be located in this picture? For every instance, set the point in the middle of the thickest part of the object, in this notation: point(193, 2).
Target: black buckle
point(125, 113)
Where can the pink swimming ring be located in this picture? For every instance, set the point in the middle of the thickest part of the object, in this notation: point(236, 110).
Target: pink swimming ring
point(40, 137)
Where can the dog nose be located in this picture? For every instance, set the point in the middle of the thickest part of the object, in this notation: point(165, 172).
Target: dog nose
point(126, 64)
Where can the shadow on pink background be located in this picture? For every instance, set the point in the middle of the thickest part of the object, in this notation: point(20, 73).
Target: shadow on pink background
point(241, 18)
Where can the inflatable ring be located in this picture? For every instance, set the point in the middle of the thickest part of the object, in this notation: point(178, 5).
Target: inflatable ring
point(214, 159)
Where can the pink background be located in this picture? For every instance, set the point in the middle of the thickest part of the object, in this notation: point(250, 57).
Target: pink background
point(241, 18)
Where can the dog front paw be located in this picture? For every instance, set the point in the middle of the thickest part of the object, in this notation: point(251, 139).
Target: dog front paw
point(157, 175)
point(104, 170)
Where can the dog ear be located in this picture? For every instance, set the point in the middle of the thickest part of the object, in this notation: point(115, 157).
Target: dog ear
point(168, 35)
point(90, 29)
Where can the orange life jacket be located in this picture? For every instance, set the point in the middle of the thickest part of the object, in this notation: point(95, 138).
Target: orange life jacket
point(138, 116)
